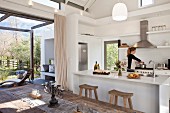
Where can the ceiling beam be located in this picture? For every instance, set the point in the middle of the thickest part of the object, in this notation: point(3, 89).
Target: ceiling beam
point(89, 4)
point(41, 25)
point(59, 1)
point(5, 17)
point(14, 29)
point(23, 15)
point(66, 1)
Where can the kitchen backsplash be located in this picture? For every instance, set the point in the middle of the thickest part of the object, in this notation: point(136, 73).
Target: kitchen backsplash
point(158, 55)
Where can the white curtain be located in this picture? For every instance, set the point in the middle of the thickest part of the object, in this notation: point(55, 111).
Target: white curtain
point(60, 50)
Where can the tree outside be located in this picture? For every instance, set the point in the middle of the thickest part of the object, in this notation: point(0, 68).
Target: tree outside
point(15, 48)
point(37, 54)
point(111, 55)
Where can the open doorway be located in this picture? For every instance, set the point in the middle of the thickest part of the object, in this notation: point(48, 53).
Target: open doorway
point(20, 43)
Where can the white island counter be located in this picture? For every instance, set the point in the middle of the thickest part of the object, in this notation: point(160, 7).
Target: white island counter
point(151, 95)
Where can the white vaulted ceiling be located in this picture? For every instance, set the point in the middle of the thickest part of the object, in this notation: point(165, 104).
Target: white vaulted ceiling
point(103, 8)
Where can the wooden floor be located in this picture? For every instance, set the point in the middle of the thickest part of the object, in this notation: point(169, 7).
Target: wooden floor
point(16, 100)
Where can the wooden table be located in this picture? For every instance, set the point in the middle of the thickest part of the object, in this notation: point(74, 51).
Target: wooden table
point(16, 99)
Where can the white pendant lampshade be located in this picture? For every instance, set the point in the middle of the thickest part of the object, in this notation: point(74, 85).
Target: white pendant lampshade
point(119, 12)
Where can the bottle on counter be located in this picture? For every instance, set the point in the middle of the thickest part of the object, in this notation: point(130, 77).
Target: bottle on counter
point(98, 66)
point(95, 66)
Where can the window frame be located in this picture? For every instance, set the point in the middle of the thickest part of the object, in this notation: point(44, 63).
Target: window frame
point(140, 4)
point(105, 52)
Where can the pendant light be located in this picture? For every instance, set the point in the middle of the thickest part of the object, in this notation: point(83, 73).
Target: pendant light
point(119, 12)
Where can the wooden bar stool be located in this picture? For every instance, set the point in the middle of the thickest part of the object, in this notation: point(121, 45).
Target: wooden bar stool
point(88, 88)
point(126, 96)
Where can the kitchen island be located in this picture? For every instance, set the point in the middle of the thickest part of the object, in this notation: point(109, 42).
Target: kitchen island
point(151, 95)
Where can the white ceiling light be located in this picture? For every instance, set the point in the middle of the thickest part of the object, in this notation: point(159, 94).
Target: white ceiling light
point(30, 3)
point(119, 12)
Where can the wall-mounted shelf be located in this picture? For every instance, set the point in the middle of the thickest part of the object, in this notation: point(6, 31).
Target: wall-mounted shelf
point(163, 46)
point(123, 48)
point(120, 35)
point(129, 34)
point(85, 35)
point(89, 36)
point(157, 32)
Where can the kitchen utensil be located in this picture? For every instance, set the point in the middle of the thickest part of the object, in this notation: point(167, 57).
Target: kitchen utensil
point(143, 65)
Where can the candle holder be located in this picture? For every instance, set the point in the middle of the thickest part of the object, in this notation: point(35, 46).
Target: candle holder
point(53, 102)
point(54, 90)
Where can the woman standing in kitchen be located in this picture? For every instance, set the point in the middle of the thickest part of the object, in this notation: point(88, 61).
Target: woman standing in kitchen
point(130, 54)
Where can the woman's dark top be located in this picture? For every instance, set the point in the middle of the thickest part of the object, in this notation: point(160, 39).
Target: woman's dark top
point(130, 57)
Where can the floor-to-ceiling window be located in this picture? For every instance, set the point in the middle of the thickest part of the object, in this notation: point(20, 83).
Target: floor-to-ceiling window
point(110, 54)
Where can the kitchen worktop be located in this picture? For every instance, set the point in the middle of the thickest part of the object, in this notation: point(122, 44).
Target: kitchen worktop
point(151, 95)
point(143, 79)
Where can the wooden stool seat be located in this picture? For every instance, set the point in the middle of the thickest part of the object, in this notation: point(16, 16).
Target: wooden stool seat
point(121, 94)
point(85, 86)
point(88, 88)
point(126, 96)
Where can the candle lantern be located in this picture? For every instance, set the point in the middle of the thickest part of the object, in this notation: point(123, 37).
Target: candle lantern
point(54, 90)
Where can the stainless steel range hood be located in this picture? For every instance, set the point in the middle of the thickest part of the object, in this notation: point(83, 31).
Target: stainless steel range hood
point(144, 43)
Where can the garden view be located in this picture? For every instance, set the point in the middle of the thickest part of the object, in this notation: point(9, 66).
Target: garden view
point(15, 48)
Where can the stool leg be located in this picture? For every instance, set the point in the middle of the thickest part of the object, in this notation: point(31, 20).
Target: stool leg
point(86, 93)
point(95, 93)
point(116, 99)
point(80, 92)
point(111, 99)
point(124, 101)
point(130, 103)
point(90, 93)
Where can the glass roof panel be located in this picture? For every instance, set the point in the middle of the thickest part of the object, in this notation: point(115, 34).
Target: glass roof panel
point(1, 15)
point(48, 3)
point(17, 22)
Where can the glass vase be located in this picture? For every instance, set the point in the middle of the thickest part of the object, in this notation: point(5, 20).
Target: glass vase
point(119, 72)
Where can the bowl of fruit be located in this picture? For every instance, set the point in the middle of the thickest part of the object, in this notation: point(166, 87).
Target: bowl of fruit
point(133, 76)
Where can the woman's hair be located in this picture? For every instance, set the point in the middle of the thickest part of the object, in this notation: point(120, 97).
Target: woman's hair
point(130, 49)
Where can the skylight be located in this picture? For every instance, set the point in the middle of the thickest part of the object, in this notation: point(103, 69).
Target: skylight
point(144, 3)
point(48, 3)
point(1, 15)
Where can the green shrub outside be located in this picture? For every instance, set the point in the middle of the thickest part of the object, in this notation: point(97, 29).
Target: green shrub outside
point(4, 75)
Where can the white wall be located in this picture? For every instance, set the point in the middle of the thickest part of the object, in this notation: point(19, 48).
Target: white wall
point(72, 47)
point(94, 44)
point(84, 29)
point(49, 50)
point(94, 49)
point(112, 32)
